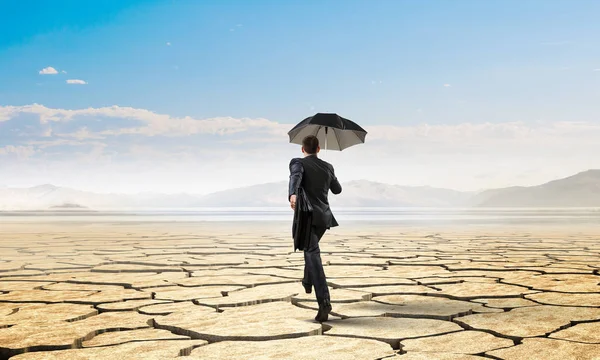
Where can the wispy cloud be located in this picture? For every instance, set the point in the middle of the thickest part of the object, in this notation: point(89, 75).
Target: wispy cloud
point(168, 43)
point(150, 123)
point(156, 124)
point(21, 152)
point(48, 71)
point(596, 70)
point(45, 144)
point(81, 134)
point(447, 85)
point(76, 82)
point(450, 155)
point(7, 112)
point(64, 72)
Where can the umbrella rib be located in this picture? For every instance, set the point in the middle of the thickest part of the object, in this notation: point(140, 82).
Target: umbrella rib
point(359, 139)
point(338, 140)
point(317, 132)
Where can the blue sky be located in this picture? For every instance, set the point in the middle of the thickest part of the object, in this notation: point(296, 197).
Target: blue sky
point(458, 73)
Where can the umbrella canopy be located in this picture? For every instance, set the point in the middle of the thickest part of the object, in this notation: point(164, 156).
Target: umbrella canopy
point(336, 132)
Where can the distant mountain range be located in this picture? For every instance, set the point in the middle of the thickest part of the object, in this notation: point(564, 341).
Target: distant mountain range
point(357, 193)
point(580, 190)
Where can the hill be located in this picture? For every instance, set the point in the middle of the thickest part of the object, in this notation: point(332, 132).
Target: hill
point(579, 190)
point(359, 193)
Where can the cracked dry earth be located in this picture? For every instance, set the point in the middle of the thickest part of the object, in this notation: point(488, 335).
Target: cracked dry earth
point(234, 292)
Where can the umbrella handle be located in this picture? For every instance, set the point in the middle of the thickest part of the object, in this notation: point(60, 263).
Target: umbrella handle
point(325, 140)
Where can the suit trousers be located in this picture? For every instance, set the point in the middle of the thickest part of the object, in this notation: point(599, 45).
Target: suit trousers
point(313, 267)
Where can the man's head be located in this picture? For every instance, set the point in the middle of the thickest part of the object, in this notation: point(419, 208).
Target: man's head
point(310, 145)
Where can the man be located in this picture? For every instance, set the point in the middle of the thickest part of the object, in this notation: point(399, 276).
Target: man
point(316, 177)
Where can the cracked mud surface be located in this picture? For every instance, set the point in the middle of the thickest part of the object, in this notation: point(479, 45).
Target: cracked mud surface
point(142, 291)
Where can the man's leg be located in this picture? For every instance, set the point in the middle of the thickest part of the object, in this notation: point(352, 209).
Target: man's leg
point(313, 267)
point(306, 281)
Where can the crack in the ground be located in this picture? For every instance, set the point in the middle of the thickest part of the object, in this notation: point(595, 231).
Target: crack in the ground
point(571, 324)
point(500, 256)
point(516, 339)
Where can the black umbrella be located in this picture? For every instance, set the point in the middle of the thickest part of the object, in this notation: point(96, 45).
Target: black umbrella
point(336, 132)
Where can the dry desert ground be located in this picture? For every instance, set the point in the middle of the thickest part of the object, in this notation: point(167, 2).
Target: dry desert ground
point(232, 291)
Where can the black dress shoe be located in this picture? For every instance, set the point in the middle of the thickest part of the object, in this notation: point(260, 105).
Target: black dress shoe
point(324, 310)
point(307, 288)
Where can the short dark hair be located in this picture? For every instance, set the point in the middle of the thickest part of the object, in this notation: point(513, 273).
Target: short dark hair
point(310, 144)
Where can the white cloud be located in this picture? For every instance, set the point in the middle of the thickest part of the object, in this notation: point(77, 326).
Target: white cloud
point(48, 71)
point(44, 144)
point(81, 134)
point(7, 112)
point(64, 72)
point(155, 124)
point(168, 43)
point(76, 82)
point(447, 85)
point(19, 151)
point(446, 155)
point(596, 70)
point(151, 123)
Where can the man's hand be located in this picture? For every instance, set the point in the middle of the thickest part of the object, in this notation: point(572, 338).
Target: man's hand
point(293, 201)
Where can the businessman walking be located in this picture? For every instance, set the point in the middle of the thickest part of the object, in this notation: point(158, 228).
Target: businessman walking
point(316, 177)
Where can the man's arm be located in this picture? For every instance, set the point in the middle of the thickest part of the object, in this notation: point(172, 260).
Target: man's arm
point(335, 186)
point(296, 172)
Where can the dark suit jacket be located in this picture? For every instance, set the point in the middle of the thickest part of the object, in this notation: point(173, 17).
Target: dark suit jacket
point(316, 177)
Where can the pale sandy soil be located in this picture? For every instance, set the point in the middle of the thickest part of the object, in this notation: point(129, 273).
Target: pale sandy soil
point(232, 291)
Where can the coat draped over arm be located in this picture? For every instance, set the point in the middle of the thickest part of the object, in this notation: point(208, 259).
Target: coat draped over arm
point(301, 227)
